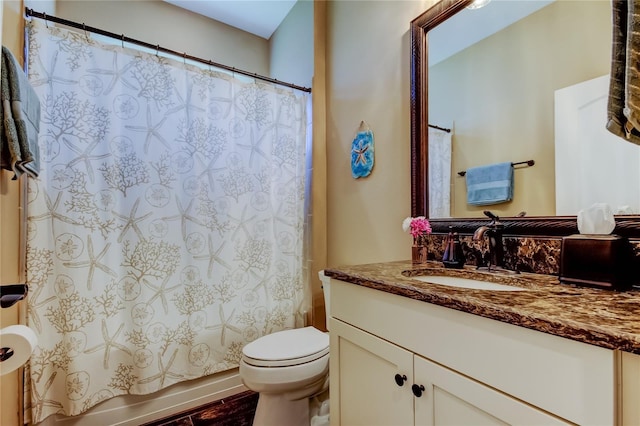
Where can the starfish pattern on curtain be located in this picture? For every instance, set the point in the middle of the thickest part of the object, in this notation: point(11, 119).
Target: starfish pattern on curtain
point(165, 230)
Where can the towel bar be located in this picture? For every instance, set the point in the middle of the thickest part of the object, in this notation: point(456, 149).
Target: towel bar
point(529, 163)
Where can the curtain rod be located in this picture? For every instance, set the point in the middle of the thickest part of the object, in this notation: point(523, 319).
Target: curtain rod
point(157, 48)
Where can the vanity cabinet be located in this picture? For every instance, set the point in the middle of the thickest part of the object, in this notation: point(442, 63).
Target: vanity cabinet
point(379, 383)
point(467, 369)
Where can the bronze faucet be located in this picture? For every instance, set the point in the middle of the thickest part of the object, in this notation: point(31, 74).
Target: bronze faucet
point(496, 248)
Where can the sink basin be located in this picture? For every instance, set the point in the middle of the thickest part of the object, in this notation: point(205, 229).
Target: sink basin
point(466, 283)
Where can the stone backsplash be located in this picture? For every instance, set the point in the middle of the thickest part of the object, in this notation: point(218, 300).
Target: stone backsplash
point(539, 255)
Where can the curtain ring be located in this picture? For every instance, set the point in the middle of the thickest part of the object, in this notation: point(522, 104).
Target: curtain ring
point(157, 49)
point(84, 28)
point(46, 23)
point(123, 41)
point(184, 58)
point(209, 65)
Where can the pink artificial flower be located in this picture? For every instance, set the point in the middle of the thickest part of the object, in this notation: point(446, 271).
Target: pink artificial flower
point(419, 227)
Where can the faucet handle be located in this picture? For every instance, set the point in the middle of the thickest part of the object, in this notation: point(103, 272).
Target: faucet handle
point(491, 216)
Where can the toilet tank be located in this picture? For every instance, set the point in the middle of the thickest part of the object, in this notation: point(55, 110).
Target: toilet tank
point(326, 284)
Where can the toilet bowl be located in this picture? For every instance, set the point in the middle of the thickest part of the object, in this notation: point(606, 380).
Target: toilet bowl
point(287, 368)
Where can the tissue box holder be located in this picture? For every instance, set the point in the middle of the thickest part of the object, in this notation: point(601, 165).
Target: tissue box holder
point(600, 261)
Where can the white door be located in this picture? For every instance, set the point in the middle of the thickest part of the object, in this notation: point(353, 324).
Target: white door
point(592, 164)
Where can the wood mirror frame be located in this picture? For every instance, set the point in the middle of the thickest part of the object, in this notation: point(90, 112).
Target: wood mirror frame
point(551, 226)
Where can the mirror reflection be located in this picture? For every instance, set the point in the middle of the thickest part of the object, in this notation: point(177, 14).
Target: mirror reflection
point(531, 85)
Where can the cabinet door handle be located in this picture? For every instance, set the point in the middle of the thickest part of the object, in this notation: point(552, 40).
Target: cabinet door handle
point(400, 379)
point(417, 390)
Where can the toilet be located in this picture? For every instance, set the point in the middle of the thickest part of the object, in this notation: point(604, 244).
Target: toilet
point(287, 368)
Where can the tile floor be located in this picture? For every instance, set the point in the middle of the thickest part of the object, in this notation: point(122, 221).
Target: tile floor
point(237, 410)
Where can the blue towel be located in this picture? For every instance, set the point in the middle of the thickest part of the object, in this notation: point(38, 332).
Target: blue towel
point(490, 184)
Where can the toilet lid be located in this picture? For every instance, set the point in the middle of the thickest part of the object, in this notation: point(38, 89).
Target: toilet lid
point(287, 347)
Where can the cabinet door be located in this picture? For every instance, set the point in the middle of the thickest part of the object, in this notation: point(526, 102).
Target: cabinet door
point(452, 399)
point(363, 379)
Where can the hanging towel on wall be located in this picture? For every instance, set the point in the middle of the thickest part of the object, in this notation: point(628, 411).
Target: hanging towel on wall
point(491, 184)
point(623, 106)
point(20, 111)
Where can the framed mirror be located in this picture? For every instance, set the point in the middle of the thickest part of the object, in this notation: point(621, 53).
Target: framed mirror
point(545, 224)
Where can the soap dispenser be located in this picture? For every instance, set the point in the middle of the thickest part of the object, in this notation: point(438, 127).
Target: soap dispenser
point(448, 247)
point(453, 254)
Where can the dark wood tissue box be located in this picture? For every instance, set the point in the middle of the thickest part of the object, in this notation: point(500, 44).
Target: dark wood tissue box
point(601, 261)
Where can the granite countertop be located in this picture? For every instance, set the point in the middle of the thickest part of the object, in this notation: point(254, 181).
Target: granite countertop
point(600, 317)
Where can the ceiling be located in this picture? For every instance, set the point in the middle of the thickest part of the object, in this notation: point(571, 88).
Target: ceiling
point(262, 18)
point(464, 30)
point(259, 17)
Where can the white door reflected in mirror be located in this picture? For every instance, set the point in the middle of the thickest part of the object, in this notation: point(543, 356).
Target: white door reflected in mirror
point(586, 151)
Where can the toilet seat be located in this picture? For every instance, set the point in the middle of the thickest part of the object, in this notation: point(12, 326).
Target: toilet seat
point(287, 348)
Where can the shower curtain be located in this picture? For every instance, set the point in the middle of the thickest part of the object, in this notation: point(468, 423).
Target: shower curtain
point(165, 230)
point(439, 173)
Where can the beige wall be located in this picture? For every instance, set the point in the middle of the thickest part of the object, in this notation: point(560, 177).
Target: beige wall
point(158, 22)
point(291, 46)
point(506, 113)
point(368, 79)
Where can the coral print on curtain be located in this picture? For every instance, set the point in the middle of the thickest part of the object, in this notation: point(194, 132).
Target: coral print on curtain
point(165, 228)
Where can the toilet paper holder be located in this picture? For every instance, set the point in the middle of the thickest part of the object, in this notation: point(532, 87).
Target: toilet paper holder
point(17, 343)
point(11, 294)
point(5, 354)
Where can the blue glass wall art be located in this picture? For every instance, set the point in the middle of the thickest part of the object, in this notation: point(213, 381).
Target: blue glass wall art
point(362, 152)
